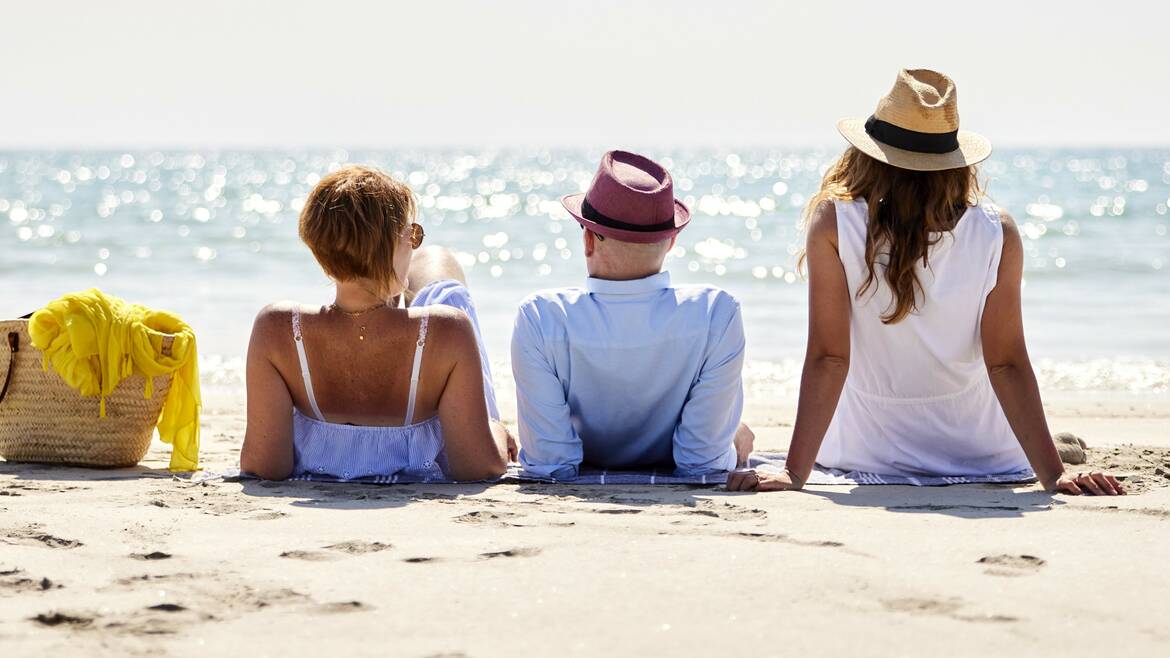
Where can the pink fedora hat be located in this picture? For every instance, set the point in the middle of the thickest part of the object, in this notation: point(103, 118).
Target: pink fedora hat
point(630, 199)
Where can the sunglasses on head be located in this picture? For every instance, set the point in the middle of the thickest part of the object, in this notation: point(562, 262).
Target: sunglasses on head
point(417, 234)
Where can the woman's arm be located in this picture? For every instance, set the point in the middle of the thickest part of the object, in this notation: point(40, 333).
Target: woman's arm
point(268, 447)
point(826, 361)
point(474, 451)
point(1014, 381)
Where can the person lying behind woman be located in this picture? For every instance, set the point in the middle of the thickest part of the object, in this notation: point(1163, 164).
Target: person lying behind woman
point(370, 385)
point(916, 360)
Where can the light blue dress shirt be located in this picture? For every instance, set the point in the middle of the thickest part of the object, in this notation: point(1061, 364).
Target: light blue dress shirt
point(628, 374)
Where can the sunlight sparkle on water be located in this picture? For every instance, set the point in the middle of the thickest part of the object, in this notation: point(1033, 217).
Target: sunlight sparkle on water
point(229, 218)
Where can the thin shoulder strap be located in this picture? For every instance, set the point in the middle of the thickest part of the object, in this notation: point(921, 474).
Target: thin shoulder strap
point(305, 376)
point(414, 371)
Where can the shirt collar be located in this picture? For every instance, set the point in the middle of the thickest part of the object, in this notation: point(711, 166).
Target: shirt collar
point(651, 283)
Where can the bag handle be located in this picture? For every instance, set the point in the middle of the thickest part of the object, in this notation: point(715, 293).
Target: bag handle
point(13, 347)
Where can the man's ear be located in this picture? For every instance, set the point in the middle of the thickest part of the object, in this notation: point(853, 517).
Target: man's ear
point(590, 242)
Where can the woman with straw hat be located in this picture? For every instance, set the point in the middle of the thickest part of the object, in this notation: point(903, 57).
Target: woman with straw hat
point(916, 361)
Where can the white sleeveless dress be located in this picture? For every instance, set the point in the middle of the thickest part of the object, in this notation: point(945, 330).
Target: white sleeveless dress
point(917, 400)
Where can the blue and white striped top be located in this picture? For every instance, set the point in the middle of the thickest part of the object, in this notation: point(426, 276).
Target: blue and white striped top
point(414, 449)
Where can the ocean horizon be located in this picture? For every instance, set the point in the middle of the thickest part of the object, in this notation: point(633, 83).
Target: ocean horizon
point(211, 235)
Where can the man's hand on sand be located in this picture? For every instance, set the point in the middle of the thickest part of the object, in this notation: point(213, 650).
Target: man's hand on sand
point(513, 447)
point(1094, 484)
point(745, 440)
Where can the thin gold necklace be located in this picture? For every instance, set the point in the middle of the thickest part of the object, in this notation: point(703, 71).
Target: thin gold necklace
point(355, 314)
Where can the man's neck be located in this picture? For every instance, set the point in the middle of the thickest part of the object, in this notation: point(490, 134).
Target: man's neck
point(611, 275)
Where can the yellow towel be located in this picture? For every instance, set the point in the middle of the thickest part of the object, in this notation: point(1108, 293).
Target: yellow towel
point(94, 340)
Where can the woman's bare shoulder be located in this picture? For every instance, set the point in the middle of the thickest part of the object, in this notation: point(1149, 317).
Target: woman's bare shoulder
point(1003, 222)
point(449, 327)
point(283, 310)
point(447, 319)
point(275, 320)
point(822, 222)
point(441, 314)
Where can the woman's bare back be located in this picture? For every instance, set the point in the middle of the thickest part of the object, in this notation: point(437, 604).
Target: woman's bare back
point(361, 365)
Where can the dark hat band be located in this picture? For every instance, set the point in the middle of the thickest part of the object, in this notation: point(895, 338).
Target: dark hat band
point(911, 140)
point(591, 213)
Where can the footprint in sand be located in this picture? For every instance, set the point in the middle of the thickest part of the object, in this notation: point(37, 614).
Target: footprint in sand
point(188, 606)
point(152, 556)
point(266, 516)
point(513, 519)
point(727, 512)
point(942, 608)
point(246, 598)
point(921, 606)
point(511, 552)
point(140, 624)
point(352, 547)
point(485, 516)
point(1011, 565)
point(357, 547)
point(31, 537)
point(144, 623)
point(343, 606)
point(14, 580)
point(309, 556)
point(17, 489)
point(67, 619)
point(135, 581)
point(785, 539)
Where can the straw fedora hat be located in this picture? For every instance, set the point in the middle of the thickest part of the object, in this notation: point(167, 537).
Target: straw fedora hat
point(631, 199)
point(916, 126)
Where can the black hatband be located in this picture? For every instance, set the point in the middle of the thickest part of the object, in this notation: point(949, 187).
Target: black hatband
point(911, 140)
point(591, 213)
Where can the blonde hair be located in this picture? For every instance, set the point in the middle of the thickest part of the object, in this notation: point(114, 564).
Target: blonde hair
point(909, 211)
point(352, 222)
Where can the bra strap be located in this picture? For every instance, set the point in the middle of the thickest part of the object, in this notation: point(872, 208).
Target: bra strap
point(305, 376)
point(414, 371)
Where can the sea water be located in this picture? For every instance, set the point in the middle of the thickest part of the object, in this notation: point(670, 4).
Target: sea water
point(211, 235)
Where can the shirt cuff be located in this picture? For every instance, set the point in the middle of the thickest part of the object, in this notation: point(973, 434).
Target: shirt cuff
point(550, 471)
point(727, 463)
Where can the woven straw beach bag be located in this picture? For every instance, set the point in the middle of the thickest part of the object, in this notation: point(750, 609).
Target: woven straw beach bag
point(43, 419)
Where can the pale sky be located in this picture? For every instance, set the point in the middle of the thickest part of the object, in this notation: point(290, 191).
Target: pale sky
point(353, 73)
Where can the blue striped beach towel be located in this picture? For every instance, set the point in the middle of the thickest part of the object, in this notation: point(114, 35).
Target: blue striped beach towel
point(761, 460)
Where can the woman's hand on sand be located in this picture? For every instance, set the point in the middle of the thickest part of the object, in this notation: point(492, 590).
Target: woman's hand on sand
point(1095, 483)
point(749, 479)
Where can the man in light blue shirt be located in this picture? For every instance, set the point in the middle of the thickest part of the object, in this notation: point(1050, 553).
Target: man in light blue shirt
point(629, 372)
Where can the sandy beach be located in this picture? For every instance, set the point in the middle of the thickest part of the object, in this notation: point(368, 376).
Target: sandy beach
point(128, 562)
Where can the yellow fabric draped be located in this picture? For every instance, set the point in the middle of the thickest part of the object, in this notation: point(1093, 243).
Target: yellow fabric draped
point(94, 340)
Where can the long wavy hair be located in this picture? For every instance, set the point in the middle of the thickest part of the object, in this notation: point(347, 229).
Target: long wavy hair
point(909, 212)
